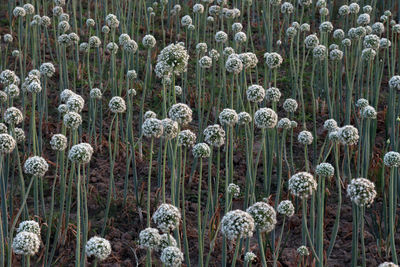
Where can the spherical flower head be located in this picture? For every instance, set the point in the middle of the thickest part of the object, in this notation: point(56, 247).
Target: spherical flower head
point(354, 8)
point(180, 113)
point(367, 9)
point(291, 32)
point(172, 256)
point(273, 94)
point(19, 12)
point(13, 116)
point(173, 59)
point(284, 124)
point(112, 48)
point(286, 208)
point(240, 37)
point(214, 135)
point(249, 60)
point(12, 91)
point(303, 251)
point(228, 117)
point(205, 62)
point(131, 75)
point(265, 118)
point(362, 103)
point(324, 11)
point(178, 90)
point(388, 264)
point(90, 23)
point(201, 150)
point(198, 9)
point(201, 48)
point(233, 190)
point(94, 41)
point(26, 243)
point(98, 247)
point(305, 138)
point(152, 128)
point(73, 37)
point(325, 170)
point(394, 82)
point(221, 37)
point(250, 257)
point(348, 135)
point(63, 26)
point(244, 118)
point(3, 128)
point(319, 52)
point(338, 34)
point(186, 21)
point(72, 120)
point(392, 159)
point(7, 38)
point(130, 46)
point(186, 138)
point(7, 143)
point(330, 125)
point(273, 60)
point(361, 191)
point(363, 19)
point(59, 142)
point(214, 54)
point(167, 217)
point(84, 47)
point(290, 105)
point(117, 105)
point(396, 28)
point(66, 94)
point(305, 3)
point(234, 64)
point(75, 103)
point(170, 128)
point(7, 77)
point(371, 41)
point(166, 240)
point(36, 166)
point(19, 135)
point(368, 54)
point(302, 184)
point(264, 216)
point(334, 136)
point(149, 238)
point(81, 153)
point(237, 27)
point(237, 224)
point(62, 109)
point(47, 69)
point(112, 21)
point(29, 9)
point(255, 93)
point(305, 27)
point(287, 8)
point(385, 43)
point(29, 226)
point(149, 114)
point(336, 55)
point(311, 41)
point(369, 112)
point(123, 38)
point(96, 93)
point(378, 28)
point(149, 41)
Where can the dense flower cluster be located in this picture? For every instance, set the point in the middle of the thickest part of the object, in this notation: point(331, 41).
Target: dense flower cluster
point(286, 208)
point(173, 59)
point(325, 170)
point(98, 247)
point(172, 256)
point(361, 191)
point(214, 135)
point(36, 166)
point(265, 118)
point(26, 243)
point(180, 113)
point(149, 238)
point(302, 184)
point(392, 159)
point(264, 216)
point(237, 224)
point(167, 217)
point(81, 153)
point(186, 138)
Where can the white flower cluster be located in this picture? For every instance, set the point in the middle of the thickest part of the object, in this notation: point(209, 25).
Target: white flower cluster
point(228, 117)
point(117, 104)
point(173, 59)
point(233, 190)
point(7, 143)
point(348, 135)
point(305, 138)
point(284, 124)
point(302, 184)
point(180, 113)
point(311, 41)
point(234, 64)
point(75, 103)
point(149, 41)
point(81, 153)
point(265, 118)
point(72, 120)
point(149, 238)
point(255, 93)
point(13, 116)
point(29, 226)
point(361, 191)
point(186, 138)
point(249, 60)
point(167, 217)
point(394, 82)
point(152, 128)
point(369, 112)
point(388, 264)
point(214, 135)
point(392, 159)
point(201, 150)
point(273, 94)
point(98, 247)
point(290, 105)
point(8, 77)
point(273, 60)
point(250, 257)
point(26, 243)
point(170, 128)
point(325, 170)
point(237, 224)
point(12, 91)
point(58, 142)
point(172, 256)
point(264, 216)
point(112, 21)
point(166, 240)
point(36, 166)
point(244, 118)
point(47, 69)
point(96, 93)
point(205, 62)
point(330, 125)
point(286, 208)
point(303, 251)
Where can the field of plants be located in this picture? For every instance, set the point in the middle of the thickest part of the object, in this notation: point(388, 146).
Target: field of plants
point(200, 133)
